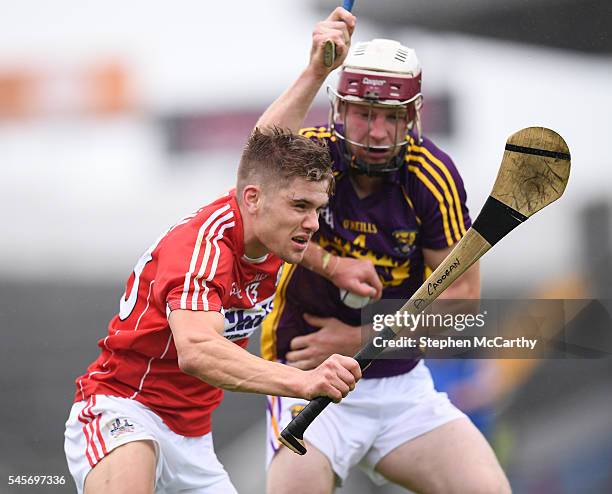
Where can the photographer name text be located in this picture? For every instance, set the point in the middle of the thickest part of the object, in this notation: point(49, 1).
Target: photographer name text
point(454, 342)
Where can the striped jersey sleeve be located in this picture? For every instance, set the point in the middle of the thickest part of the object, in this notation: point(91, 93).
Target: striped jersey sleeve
point(438, 195)
point(198, 263)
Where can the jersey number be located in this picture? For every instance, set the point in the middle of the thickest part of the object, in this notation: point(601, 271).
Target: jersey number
point(127, 303)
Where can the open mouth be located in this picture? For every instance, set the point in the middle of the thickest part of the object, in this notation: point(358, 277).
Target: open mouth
point(377, 151)
point(301, 241)
point(376, 155)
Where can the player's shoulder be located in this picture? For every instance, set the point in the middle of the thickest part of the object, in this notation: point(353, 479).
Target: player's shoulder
point(320, 133)
point(213, 222)
point(429, 151)
point(221, 209)
point(324, 135)
point(426, 162)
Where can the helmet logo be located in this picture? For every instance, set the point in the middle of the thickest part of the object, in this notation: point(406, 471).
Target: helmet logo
point(373, 82)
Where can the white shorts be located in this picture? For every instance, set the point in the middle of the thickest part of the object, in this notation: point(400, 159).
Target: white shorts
point(102, 423)
point(377, 417)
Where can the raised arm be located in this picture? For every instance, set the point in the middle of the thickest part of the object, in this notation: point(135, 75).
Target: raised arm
point(290, 109)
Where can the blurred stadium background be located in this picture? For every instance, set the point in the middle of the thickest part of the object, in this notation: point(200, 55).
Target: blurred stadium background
point(118, 117)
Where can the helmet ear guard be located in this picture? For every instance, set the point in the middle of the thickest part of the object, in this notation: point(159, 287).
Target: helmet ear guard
point(380, 74)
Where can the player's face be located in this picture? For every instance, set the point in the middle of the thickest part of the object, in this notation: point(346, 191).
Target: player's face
point(373, 126)
point(290, 216)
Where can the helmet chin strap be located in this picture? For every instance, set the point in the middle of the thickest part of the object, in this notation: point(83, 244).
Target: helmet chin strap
point(360, 167)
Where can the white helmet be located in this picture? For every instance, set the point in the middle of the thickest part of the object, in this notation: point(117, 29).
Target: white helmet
point(381, 73)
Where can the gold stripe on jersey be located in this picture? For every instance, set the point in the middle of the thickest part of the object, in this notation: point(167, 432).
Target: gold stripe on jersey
point(270, 323)
point(394, 271)
point(318, 135)
point(318, 132)
point(448, 176)
point(442, 184)
point(410, 204)
point(417, 171)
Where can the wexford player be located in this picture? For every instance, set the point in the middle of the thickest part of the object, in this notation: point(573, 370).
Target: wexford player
point(400, 204)
point(141, 420)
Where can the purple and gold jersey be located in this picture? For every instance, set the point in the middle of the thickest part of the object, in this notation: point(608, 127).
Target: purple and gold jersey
point(422, 205)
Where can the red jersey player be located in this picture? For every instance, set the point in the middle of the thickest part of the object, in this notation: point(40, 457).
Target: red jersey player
point(141, 417)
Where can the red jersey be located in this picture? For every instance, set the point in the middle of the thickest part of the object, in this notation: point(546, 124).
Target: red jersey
point(199, 264)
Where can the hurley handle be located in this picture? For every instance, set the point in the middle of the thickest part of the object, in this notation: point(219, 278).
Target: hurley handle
point(292, 436)
point(329, 50)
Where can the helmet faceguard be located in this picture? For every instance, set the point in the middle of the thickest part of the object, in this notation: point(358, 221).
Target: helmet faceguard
point(379, 74)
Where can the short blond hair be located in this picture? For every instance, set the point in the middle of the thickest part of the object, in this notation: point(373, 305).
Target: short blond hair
point(277, 156)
